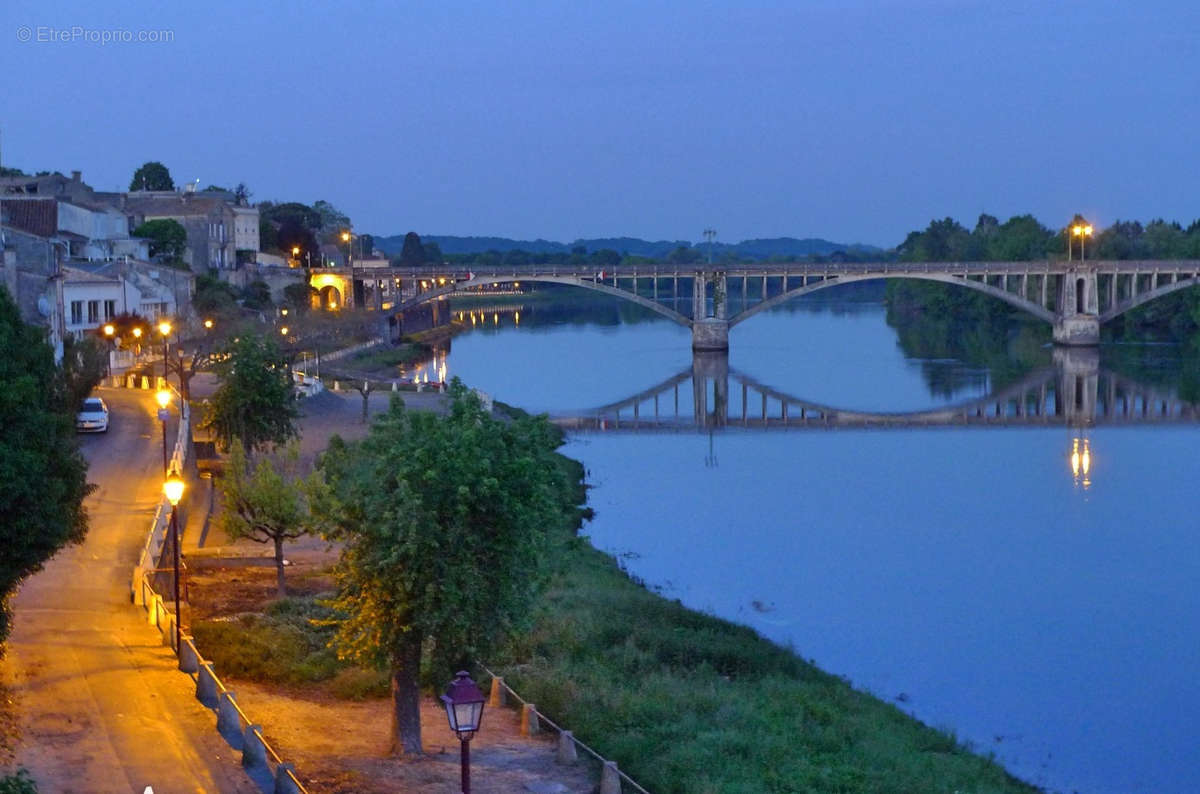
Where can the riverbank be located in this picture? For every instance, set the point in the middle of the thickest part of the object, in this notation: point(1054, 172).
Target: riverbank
point(687, 702)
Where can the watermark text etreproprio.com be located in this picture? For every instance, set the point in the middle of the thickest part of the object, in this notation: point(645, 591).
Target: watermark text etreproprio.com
point(78, 34)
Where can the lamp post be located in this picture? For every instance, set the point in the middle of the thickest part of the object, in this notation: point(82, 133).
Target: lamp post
point(464, 710)
point(348, 239)
point(137, 335)
point(164, 328)
point(173, 488)
point(296, 255)
point(164, 399)
point(1082, 231)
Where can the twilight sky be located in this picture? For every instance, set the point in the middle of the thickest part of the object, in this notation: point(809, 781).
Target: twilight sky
point(851, 120)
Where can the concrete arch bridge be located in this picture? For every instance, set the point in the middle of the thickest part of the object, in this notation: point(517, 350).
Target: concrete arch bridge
point(1076, 298)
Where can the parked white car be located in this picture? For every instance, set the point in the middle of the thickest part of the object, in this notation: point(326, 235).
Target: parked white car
point(92, 416)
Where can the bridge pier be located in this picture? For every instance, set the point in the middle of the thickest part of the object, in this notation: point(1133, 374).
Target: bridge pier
point(710, 334)
point(710, 375)
point(1077, 320)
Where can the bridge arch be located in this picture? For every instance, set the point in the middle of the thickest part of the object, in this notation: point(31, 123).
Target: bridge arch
point(1146, 297)
point(483, 281)
point(1010, 298)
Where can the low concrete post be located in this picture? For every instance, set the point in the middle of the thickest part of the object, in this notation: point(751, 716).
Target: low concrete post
point(254, 752)
point(395, 386)
point(285, 780)
point(206, 685)
point(166, 627)
point(145, 382)
point(529, 720)
point(566, 748)
point(610, 779)
point(135, 590)
point(229, 724)
point(155, 608)
point(131, 381)
point(498, 696)
point(336, 387)
point(189, 660)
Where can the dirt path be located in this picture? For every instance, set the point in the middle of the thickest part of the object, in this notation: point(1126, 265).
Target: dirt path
point(339, 747)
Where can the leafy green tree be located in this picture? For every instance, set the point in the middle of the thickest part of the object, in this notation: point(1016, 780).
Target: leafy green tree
point(214, 298)
point(433, 253)
point(299, 296)
point(43, 477)
point(300, 214)
point(257, 295)
point(292, 235)
point(84, 364)
point(332, 219)
point(255, 401)
point(443, 521)
point(168, 238)
point(265, 501)
point(412, 253)
point(152, 175)
point(683, 255)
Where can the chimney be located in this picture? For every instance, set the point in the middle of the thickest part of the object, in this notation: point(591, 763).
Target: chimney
point(76, 176)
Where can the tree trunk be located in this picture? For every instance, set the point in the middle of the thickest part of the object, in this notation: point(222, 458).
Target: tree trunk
point(406, 697)
point(280, 589)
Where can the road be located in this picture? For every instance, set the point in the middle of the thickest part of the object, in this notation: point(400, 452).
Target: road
point(101, 707)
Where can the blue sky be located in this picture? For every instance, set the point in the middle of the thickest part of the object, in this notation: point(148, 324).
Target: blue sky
point(854, 120)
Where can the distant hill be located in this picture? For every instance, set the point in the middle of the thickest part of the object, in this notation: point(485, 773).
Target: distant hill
point(754, 249)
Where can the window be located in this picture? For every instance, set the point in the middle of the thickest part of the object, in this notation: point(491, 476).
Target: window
point(76, 312)
point(110, 310)
point(93, 311)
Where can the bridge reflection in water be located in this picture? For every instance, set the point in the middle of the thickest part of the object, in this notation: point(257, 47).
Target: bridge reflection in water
point(1074, 392)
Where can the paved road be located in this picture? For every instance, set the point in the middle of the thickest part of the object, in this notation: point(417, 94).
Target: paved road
point(101, 706)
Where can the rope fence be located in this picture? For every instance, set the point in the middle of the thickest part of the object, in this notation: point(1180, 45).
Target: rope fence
point(612, 780)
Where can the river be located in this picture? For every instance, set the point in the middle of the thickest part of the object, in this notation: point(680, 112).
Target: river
point(972, 574)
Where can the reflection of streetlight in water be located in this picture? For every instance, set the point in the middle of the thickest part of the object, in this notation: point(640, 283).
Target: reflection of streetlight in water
point(1081, 461)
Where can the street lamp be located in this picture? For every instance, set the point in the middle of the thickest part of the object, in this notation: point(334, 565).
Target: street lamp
point(1082, 231)
point(173, 488)
point(164, 328)
point(464, 710)
point(164, 399)
point(208, 324)
point(296, 255)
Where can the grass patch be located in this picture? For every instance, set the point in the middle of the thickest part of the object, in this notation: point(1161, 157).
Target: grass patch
point(389, 358)
point(686, 702)
point(287, 644)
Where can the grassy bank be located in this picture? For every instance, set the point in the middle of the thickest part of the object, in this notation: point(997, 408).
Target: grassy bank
point(686, 702)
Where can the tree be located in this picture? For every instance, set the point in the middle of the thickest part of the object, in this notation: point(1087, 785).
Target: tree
point(331, 219)
point(412, 253)
point(168, 238)
point(43, 477)
point(433, 253)
point(443, 521)
point(255, 401)
point(266, 501)
point(84, 365)
point(257, 295)
point(292, 235)
point(152, 176)
point(299, 296)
